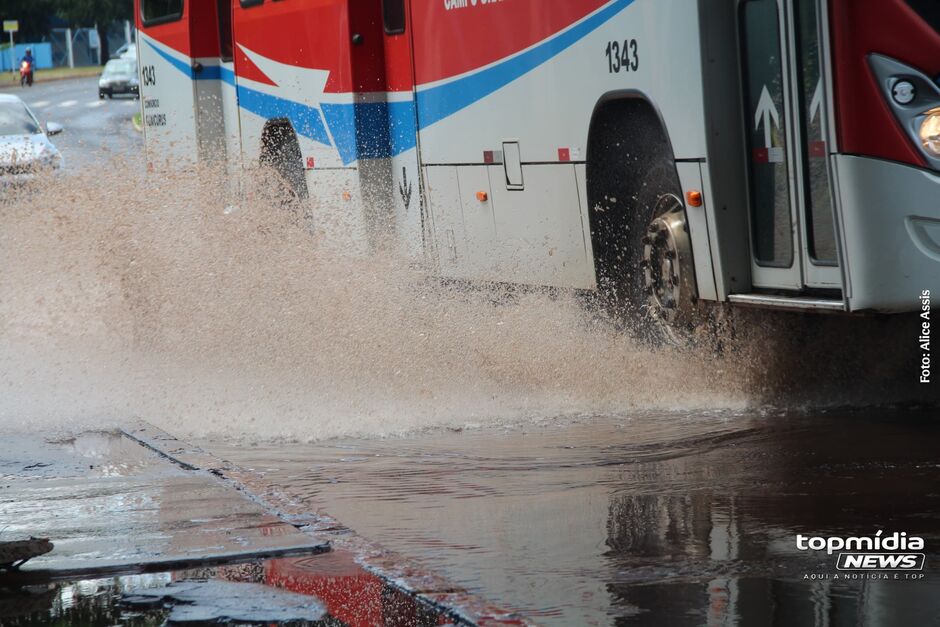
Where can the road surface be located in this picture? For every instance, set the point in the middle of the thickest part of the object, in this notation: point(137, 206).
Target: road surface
point(645, 519)
point(95, 130)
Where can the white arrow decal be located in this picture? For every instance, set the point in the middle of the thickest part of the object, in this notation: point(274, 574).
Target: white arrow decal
point(816, 102)
point(766, 111)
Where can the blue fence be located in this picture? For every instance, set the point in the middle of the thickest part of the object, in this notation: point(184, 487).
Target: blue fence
point(42, 52)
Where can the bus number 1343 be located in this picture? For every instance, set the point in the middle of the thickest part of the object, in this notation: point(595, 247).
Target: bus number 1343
point(622, 57)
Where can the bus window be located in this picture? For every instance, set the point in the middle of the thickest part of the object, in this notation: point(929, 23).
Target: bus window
point(820, 224)
point(250, 3)
point(393, 15)
point(764, 110)
point(155, 12)
point(224, 8)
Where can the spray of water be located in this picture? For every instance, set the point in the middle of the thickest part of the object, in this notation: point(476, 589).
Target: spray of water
point(209, 312)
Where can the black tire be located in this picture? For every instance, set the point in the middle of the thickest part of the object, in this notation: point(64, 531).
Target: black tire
point(100, 95)
point(110, 96)
point(280, 151)
point(630, 167)
point(631, 170)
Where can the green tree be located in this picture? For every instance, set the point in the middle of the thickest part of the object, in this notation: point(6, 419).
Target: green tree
point(33, 16)
point(85, 13)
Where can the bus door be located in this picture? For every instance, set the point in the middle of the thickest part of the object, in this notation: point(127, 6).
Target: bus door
point(180, 74)
point(787, 121)
point(228, 134)
point(407, 188)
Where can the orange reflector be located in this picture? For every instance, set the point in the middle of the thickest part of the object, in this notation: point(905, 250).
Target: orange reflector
point(694, 198)
point(347, 196)
point(483, 196)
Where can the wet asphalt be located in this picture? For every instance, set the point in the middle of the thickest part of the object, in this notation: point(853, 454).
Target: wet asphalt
point(646, 519)
point(96, 131)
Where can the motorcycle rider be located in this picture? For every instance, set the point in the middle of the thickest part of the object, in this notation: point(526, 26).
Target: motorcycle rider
point(28, 58)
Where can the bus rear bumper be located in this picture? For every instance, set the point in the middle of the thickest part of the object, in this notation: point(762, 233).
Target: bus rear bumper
point(890, 233)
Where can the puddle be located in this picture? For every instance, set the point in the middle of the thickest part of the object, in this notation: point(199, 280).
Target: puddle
point(110, 453)
point(215, 601)
point(651, 519)
point(328, 590)
point(92, 453)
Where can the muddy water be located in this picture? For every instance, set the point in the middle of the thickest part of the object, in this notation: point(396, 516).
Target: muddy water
point(647, 519)
point(211, 310)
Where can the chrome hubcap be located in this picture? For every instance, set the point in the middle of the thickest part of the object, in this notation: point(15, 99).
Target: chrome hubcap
point(667, 262)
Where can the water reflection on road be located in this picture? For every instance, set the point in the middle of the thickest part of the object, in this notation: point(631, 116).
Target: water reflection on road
point(644, 520)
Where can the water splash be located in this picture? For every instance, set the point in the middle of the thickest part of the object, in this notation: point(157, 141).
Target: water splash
point(212, 313)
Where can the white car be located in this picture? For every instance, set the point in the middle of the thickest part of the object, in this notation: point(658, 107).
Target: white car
point(127, 51)
point(25, 149)
point(119, 77)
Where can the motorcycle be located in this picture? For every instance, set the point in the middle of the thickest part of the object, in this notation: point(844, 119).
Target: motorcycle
point(26, 74)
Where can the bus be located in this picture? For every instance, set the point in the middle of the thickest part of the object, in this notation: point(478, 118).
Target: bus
point(672, 153)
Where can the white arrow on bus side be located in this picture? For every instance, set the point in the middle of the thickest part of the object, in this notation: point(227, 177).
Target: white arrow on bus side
point(766, 111)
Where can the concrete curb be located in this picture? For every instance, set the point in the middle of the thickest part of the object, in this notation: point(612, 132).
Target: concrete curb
point(395, 570)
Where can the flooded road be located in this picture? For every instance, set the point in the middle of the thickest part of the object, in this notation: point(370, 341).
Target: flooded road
point(666, 500)
point(651, 519)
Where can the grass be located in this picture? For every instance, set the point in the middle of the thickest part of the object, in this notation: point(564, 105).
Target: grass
point(138, 122)
point(9, 79)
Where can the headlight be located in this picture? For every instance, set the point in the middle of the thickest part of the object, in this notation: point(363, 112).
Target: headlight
point(914, 99)
point(930, 132)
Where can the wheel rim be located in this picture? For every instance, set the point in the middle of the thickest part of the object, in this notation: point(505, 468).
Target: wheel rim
point(667, 265)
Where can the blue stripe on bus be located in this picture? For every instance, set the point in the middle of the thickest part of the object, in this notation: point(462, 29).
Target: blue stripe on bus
point(182, 66)
point(437, 103)
point(305, 119)
point(371, 130)
point(392, 124)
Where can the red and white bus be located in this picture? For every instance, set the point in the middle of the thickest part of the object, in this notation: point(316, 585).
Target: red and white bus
point(783, 153)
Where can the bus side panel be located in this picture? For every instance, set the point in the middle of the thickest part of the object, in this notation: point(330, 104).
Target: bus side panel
point(368, 107)
point(167, 90)
point(515, 72)
point(540, 235)
point(183, 99)
point(290, 59)
point(295, 62)
point(208, 90)
point(544, 94)
point(407, 185)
